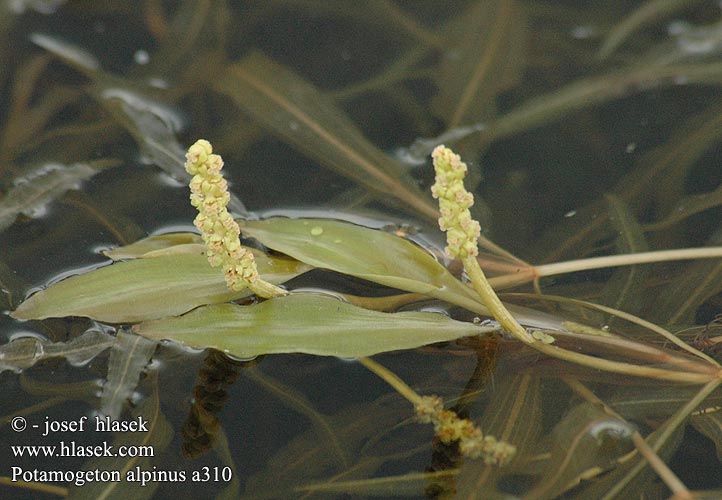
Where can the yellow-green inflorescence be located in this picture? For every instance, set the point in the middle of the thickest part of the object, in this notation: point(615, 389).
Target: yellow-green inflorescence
point(221, 234)
point(449, 428)
point(462, 232)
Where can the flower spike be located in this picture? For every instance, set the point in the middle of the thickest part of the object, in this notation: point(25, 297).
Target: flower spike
point(462, 232)
point(221, 234)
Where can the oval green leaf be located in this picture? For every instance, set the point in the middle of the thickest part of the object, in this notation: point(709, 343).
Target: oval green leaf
point(306, 323)
point(362, 252)
point(143, 289)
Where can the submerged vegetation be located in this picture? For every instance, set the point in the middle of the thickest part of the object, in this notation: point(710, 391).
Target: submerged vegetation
point(592, 142)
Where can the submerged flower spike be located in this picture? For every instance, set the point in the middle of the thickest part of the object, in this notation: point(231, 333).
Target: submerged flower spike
point(221, 234)
point(449, 428)
point(462, 232)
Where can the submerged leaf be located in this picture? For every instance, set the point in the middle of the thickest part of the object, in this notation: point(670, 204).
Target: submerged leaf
point(407, 485)
point(131, 485)
point(644, 15)
point(484, 61)
point(585, 443)
point(513, 415)
point(695, 283)
point(624, 289)
point(306, 457)
point(306, 323)
point(293, 108)
point(632, 478)
point(142, 289)
point(152, 123)
point(24, 352)
point(32, 192)
point(708, 421)
point(129, 356)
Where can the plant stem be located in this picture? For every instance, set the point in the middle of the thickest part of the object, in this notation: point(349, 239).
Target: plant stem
point(392, 379)
point(573, 266)
point(510, 324)
point(492, 302)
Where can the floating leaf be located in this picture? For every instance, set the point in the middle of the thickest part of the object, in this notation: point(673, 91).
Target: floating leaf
point(24, 352)
point(293, 108)
point(362, 252)
point(129, 356)
point(306, 323)
point(142, 289)
point(153, 244)
point(32, 192)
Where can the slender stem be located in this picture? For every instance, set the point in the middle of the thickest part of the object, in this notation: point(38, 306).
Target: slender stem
point(492, 302)
point(267, 290)
point(665, 432)
point(625, 368)
point(670, 478)
point(392, 379)
point(510, 324)
point(673, 482)
point(572, 266)
point(628, 260)
point(627, 317)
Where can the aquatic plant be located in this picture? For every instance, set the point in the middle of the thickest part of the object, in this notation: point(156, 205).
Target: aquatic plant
point(604, 163)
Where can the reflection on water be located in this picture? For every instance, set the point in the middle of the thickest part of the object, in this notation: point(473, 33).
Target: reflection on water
point(590, 128)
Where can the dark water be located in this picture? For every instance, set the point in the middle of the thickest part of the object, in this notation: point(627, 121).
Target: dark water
point(548, 126)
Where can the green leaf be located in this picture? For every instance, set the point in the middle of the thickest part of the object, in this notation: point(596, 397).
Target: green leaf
point(152, 246)
point(31, 193)
point(24, 352)
point(157, 438)
point(129, 356)
point(585, 443)
point(488, 55)
point(625, 289)
point(514, 415)
point(366, 253)
point(143, 289)
point(709, 422)
point(306, 323)
point(407, 485)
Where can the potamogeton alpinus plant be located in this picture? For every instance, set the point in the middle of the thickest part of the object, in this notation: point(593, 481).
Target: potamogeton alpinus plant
point(169, 291)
